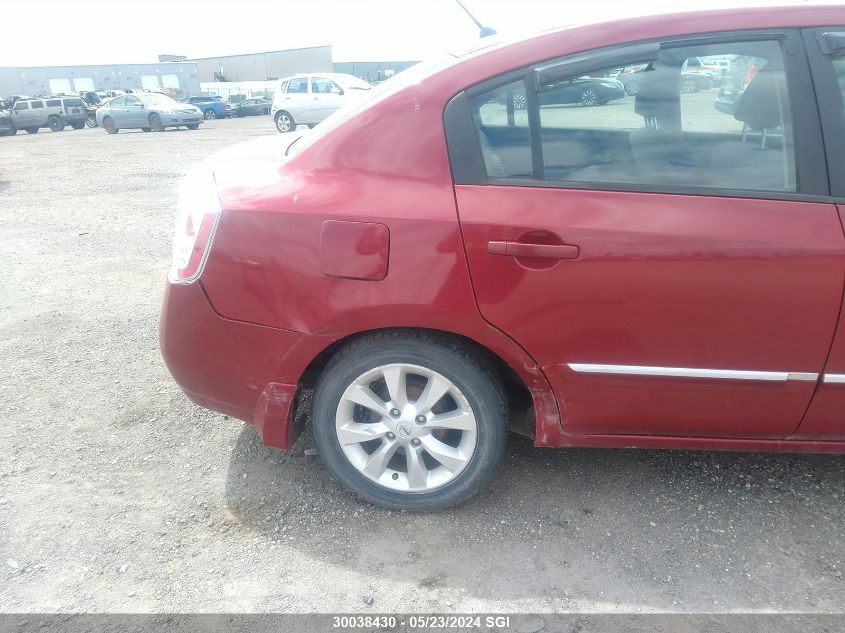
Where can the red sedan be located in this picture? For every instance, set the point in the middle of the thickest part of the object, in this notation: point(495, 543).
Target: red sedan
point(461, 255)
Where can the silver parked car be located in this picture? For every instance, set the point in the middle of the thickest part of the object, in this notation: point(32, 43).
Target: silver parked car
point(309, 98)
point(150, 111)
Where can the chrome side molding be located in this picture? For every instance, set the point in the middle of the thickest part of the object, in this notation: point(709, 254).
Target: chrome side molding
point(834, 378)
point(690, 372)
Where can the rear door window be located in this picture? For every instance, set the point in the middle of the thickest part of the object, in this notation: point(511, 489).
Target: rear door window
point(35, 105)
point(54, 103)
point(299, 85)
point(666, 121)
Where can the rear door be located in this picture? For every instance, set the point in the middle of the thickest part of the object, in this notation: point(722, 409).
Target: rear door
point(655, 254)
point(117, 110)
point(825, 419)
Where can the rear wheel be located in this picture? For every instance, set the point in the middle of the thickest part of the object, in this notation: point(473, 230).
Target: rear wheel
point(91, 121)
point(77, 126)
point(146, 129)
point(12, 130)
point(632, 87)
point(110, 126)
point(55, 124)
point(155, 123)
point(409, 421)
point(193, 126)
point(32, 130)
point(209, 114)
point(285, 122)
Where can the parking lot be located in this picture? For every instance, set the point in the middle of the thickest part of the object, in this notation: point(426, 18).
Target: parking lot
point(117, 494)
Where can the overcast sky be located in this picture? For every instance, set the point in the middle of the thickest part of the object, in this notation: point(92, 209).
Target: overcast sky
point(33, 33)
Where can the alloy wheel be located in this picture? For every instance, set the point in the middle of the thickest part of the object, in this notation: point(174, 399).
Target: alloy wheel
point(406, 427)
point(284, 123)
point(589, 97)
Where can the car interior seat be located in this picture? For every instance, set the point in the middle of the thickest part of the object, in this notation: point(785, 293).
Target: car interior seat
point(492, 161)
point(759, 160)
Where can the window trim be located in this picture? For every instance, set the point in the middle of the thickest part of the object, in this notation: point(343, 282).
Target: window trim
point(811, 164)
point(831, 106)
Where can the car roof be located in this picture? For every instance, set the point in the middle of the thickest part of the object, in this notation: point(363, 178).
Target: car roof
point(484, 62)
point(336, 76)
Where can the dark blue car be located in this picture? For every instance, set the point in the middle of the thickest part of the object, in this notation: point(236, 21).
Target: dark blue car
point(212, 107)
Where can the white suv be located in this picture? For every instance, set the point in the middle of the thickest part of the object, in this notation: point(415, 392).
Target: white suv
point(52, 112)
point(309, 98)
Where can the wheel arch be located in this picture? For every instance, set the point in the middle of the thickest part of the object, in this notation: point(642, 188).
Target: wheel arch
point(531, 402)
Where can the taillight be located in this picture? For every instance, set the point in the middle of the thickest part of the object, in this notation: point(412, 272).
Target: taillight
point(197, 212)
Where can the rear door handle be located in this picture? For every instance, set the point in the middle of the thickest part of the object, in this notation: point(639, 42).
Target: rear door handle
point(521, 249)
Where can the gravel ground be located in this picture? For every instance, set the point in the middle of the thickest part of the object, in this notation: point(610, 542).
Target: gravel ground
point(118, 494)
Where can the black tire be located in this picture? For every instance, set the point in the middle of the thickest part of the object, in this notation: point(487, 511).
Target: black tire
point(209, 114)
point(193, 126)
point(78, 126)
point(632, 87)
point(110, 126)
point(284, 122)
point(32, 130)
point(12, 130)
point(155, 123)
point(55, 124)
point(91, 120)
point(461, 365)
